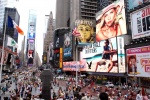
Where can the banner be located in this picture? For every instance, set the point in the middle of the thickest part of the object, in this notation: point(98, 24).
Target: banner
point(67, 54)
point(101, 56)
point(138, 60)
point(86, 31)
point(61, 58)
point(140, 23)
point(74, 65)
point(121, 54)
point(111, 21)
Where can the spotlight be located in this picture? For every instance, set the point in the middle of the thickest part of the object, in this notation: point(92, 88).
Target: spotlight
point(140, 41)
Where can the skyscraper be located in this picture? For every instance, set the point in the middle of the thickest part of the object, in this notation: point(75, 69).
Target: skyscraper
point(62, 13)
point(3, 4)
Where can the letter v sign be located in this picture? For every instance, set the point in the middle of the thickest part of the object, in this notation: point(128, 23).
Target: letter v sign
point(89, 65)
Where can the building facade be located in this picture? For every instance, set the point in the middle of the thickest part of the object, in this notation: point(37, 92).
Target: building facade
point(48, 36)
point(62, 13)
point(31, 37)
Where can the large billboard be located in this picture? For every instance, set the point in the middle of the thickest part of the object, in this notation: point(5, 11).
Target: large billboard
point(138, 60)
point(85, 30)
point(111, 21)
point(31, 34)
point(140, 23)
point(67, 49)
point(101, 56)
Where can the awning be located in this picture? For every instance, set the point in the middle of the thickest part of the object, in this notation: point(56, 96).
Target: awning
point(108, 74)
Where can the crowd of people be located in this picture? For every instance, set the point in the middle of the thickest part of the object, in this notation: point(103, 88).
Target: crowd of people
point(25, 84)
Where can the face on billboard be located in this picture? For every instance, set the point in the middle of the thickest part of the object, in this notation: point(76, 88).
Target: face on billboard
point(85, 29)
point(140, 23)
point(67, 45)
point(32, 31)
point(111, 21)
point(138, 60)
point(101, 56)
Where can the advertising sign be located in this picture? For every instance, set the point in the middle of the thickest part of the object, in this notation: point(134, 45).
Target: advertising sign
point(138, 60)
point(110, 22)
point(101, 56)
point(67, 45)
point(121, 54)
point(59, 38)
point(31, 45)
point(61, 58)
point(134, 3)
point(85, 31)
point(74, 65)
point(31, 34)
point(140, 23)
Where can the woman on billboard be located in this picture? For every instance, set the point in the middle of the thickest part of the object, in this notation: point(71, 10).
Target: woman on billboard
point(107, 56)
point(86, 31)
point(110, 22)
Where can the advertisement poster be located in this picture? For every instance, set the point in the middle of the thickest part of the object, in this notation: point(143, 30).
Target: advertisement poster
point(138, 60)
point(74, 65)
point(31, 44)
point(111, 21)
point(140, 23)
point(31, 34)
point(101, 56)
point(85, 31)
point(67, 45)
point(134, 3)
point(121, 55)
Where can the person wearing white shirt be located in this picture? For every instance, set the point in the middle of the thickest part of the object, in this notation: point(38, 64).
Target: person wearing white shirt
point(139, 95)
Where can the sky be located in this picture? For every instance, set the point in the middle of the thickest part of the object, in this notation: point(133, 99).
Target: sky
point(43, 7)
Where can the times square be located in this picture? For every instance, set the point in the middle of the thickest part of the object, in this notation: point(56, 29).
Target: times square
point(92, 50)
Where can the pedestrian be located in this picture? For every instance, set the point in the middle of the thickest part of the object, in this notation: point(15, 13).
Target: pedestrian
point(103, 96)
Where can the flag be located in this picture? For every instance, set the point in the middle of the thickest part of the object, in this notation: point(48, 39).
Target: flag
point(11, 42)
point(11, 24)
point(76, 33)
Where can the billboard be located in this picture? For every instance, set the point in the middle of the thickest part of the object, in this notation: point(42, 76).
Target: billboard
point(67, 50)
point(121, 54)
point(31, 34)
point(74, 65)
point(101, 56)
point(31, 44)
point(110, 22)
point(140, 23)
point(85, 31)
point(138, 60)
point(134, 3)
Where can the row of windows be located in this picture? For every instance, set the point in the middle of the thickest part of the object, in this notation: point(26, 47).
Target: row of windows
point(91, 8)
point(88, 11)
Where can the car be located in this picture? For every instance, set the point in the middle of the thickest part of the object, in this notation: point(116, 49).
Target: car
point(109, 85)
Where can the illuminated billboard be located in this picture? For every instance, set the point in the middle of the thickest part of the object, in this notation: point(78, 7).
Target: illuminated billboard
point(111, 21)
point(67, 48)
point(84, 31)
point(140, 23)
point(138, 60)
point(101, 56)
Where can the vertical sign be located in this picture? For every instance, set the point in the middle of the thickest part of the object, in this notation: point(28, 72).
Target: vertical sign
point(60, 58)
